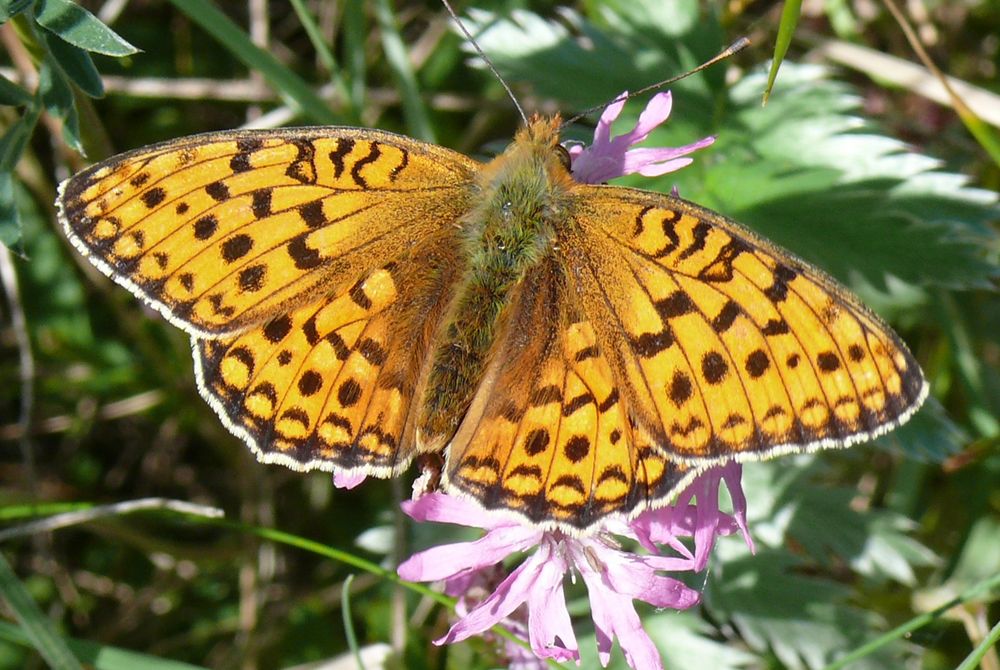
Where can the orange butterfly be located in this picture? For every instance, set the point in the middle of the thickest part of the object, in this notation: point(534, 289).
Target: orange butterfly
point(356, 298)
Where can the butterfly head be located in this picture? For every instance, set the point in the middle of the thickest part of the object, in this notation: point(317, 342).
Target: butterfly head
point(542, 136)
point(535, 154)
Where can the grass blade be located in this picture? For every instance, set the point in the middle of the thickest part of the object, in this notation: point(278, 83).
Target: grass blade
point(37, 629)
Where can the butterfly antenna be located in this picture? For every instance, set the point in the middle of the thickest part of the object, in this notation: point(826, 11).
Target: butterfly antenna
point(734, 48)
point(486, 59)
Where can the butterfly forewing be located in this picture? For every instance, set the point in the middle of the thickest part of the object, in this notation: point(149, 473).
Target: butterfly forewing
point(311, 267)
point(223, 231)
point(726, 346)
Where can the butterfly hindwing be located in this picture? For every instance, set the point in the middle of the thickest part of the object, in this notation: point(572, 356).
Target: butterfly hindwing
point(223, 231)
point(726, 346)
point(546, 435)
point(335, 383)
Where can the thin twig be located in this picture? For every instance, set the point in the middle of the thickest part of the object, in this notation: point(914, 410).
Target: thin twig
point(67, 519)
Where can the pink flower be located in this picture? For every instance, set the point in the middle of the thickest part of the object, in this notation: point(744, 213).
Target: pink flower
point(615, 578)
point(348, 479)
point(609, 157)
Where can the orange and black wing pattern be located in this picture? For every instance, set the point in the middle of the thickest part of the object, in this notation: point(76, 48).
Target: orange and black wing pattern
point(309, 265)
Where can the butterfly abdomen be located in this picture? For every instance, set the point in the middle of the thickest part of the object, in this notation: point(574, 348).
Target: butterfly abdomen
point(525, 201)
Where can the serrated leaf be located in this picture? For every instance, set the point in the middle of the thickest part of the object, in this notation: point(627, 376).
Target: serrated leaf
point(57, 97)
point(804, 172)
point(882, 212)
point(681, 637)
point(77, 65)
point(788, 503)
point(13, 95)
point(890, 552)
point(802, 620)
point(79, 27)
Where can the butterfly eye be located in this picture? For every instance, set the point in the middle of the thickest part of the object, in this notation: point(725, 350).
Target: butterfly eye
point(563, 155)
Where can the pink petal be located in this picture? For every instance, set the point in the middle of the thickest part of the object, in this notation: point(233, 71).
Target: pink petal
point(548, 618)
point(511, 593)
point(602, 133)
point(733, 474)
point(451, 560)
point(607, 157)
point(614, 615)
point(657, 169)
point(636, 576)
point(663, 526)
point(444, 508)
point(656, 112)
point(656, 161)
point(349, 479)
point(708, 517)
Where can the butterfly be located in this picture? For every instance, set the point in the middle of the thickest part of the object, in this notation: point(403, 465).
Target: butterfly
point(357, 298)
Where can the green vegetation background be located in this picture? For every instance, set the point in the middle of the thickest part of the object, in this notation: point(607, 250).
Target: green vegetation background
point(885, 189)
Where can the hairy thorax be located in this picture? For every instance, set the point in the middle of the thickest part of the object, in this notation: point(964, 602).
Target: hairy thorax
point(524, 199)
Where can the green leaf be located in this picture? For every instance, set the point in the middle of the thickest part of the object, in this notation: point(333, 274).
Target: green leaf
point(11, 227)
point(13, 95)
point(681, 637)
point(77, 65)
point(15, 139)
point(81, 28)
point(790, 12)
point(788, 503)
point(803, 620)
point(36, 627)
point(10, 8)
point(11, 147)
point(57, 97)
